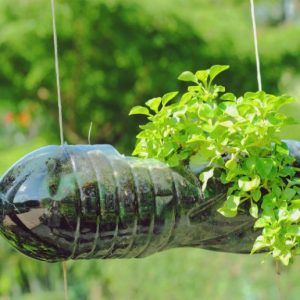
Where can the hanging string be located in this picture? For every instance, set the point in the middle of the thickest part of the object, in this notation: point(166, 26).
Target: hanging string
point(256, 45)
point(64, 264)
point(57, 73)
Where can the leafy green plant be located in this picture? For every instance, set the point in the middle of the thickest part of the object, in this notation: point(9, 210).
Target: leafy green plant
point(237, 135)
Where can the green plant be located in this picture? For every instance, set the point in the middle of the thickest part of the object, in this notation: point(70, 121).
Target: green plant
point(239, 137)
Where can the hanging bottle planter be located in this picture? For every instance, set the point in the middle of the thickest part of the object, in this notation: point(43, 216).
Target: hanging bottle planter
point(72, 202)
point(227, 183)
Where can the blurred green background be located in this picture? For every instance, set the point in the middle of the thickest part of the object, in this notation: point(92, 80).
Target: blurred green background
point(116, 54)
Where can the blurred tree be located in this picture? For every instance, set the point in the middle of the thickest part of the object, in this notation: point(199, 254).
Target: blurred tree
point(116, 54)
point(112, 56)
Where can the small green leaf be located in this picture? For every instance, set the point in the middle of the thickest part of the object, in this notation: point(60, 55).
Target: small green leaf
point(285, 258)
point(259, 244)
point(206, 111)
point(250, 163)
point(174, 160)
point(219, 89)
point(288, 194)
point(256, 195)
point(268, 203)
point(254, 95)
point(203, 76)
point(264, 166)
point(287, 171)
point(253, 210)
point(282, 214)
point(196, 138)
point(214, 71)
point(154, 103)
point(227, 123)
point(168, 97)
point(139, 110)
point(261, 223)
point(247, 185)
point(188, 76)
point(230, 206)
point(205, 176)
point(186, 98)
point(228, 97)
point(226, 212)
point(194, 88)
point(231, 164)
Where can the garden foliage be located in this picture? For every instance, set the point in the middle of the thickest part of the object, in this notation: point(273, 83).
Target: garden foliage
point(238, 135)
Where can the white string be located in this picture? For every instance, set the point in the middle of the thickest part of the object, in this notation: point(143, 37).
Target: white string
point(64, 264)
point(57, 73)
point(256, 45)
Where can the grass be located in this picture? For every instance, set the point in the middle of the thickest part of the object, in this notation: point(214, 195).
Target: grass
point(185, 274)
point(196, 274)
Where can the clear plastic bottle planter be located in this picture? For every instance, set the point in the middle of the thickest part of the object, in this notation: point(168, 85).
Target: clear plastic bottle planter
point(83, 202)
